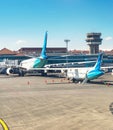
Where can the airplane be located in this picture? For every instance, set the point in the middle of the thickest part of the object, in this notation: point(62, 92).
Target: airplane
point(32, 63)
point(88, 73)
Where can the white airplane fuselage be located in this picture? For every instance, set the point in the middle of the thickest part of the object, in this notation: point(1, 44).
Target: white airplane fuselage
point(77, 73)
point(87, 73)
point(31, 63)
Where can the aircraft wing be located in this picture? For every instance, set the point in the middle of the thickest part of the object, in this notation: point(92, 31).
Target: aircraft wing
point(66, 68)
point(49, 69)
point(105, 68)
point(69, 63)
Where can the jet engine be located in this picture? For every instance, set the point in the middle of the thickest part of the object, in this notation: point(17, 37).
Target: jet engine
point(10, 71)
point(15, 70)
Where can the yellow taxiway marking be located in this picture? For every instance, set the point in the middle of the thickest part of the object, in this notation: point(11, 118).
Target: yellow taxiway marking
point(4, 125)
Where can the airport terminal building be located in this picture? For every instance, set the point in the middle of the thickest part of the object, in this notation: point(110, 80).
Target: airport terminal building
point(36, 51)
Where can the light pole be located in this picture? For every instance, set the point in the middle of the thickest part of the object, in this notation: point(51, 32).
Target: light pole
point(66, 41)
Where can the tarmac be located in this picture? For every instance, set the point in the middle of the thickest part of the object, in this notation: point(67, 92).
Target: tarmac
point(53, 103)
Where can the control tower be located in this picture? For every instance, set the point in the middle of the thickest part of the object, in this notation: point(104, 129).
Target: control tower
point(94, 40)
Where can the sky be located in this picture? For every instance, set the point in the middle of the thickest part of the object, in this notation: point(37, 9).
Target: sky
point(24, 22)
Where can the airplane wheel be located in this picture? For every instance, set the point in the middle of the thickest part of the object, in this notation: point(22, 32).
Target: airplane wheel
point(21, 73)
point(44, 74)
point(73, 80)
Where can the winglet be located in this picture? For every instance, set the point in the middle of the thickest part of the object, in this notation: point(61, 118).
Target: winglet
point(98, 63)
point(43, 52)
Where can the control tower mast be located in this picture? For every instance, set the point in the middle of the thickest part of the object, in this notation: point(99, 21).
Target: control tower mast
point(94, 40)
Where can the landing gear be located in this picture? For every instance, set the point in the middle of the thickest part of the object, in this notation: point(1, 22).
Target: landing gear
point(21, 73)
point(73, 80)
point(44, 74)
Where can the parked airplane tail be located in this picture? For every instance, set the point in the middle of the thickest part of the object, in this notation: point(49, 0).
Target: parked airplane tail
point(96, 71)
point(43, 52)
point(98, 63)
point(27, 65)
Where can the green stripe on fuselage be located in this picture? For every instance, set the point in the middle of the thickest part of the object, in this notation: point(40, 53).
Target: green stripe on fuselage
point(39, 63)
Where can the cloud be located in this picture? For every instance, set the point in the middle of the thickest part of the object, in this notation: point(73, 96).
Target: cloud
point(109, 38)
point(20, 42)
